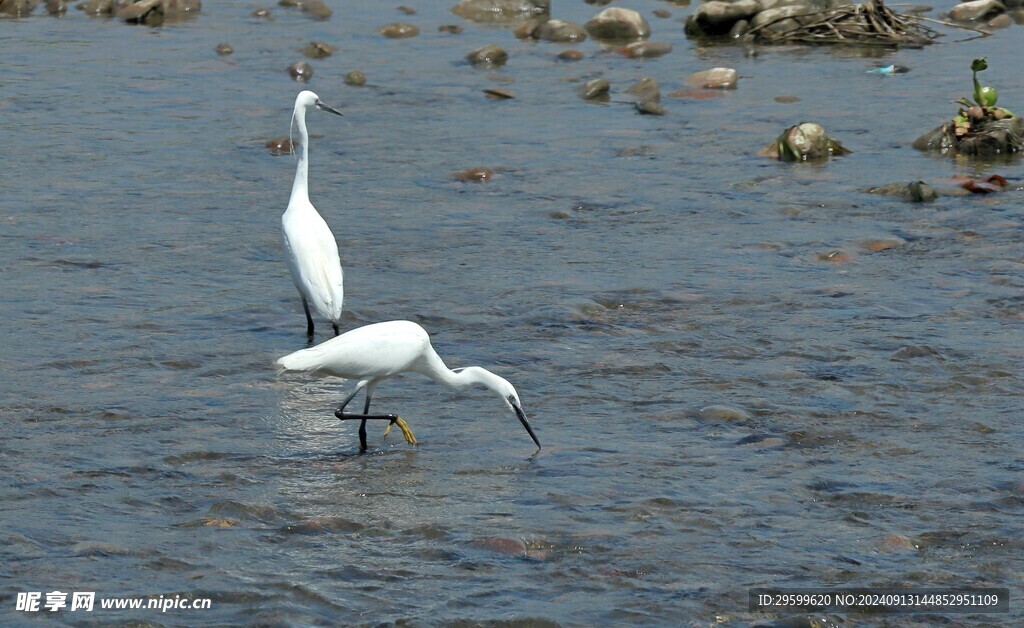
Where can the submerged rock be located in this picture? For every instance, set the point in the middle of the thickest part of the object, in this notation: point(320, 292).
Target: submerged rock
point(279, 145)
point(475, 175)
point(645, 49)
point(301, 71)
point(451, 29)
point(316, 9)
point(356, 78)
point(500, 10)
point(807, 141)
point(987, 138)
point(559, 31)
point(399, 30)
point(650, 108)
point(615, 25)
point(318, 50)
point(723, 413)
point(570, 55)
point(224, 49)
point(645, 90)
point(915, 191)
point(596, 89)
point(501, 545)
point(261, 13)
point(715, 78)
point(490, 55)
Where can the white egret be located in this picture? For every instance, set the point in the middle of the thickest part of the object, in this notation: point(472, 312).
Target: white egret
point(308, 241)
point(380, 351)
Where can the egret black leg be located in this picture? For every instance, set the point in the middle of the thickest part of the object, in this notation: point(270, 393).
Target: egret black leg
point(341, 414)
point(309, 321)
point(362, 424)
point(337, 332)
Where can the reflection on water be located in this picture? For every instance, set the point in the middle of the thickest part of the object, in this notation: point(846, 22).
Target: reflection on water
point(855, 356)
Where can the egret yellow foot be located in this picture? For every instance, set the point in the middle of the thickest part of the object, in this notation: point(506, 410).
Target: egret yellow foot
point(402, 425)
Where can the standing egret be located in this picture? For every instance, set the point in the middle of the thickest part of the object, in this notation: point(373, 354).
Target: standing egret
point(312, 250)
point(377, 352)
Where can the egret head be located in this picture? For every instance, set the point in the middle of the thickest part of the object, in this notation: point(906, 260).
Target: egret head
point(507, 391)
point(307, 99)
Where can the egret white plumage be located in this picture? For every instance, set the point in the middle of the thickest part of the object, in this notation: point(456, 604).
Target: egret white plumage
point(380, 351)
point(309, 243)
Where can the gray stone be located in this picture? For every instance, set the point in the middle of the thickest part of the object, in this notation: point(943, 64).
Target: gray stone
point(500, 10)
point(976, 10)
point(645, 49)
point(645, 90)
point(595, 89)
point(489, 55)
point(615, 24)
point(715, 78)
point(559, 31)
point(717, 17)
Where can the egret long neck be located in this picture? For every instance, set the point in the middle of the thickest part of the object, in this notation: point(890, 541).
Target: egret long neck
point(300, 187)
point(434, 368)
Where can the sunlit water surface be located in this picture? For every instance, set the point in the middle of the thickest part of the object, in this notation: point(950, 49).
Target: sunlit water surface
point(623, 271)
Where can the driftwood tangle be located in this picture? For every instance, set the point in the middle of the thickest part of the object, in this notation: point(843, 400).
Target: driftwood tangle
point(871, 23)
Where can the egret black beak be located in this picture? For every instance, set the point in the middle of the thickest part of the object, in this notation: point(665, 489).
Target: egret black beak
point(526, 424)
point(320, 105)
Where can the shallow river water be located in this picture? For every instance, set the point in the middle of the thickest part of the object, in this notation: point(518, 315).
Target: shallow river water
point(627, 273)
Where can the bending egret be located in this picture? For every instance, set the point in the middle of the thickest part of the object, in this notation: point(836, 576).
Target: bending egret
point(377, 352)
point(312, 250)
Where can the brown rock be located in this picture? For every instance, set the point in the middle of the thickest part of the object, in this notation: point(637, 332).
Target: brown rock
point(318, 50)
point(316, 9)
point(356, 78)
point(570, 55)
point(715, 78)
point(490, 55)
point(399, 31)
point(279, 146)
point(475, 175)
point(645, 49)
point(224, 49)
point(615, 24)
point(301, 71)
